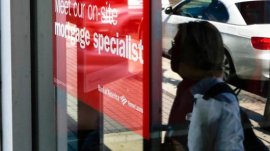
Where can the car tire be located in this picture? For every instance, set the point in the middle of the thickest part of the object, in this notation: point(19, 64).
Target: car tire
point(229, 73)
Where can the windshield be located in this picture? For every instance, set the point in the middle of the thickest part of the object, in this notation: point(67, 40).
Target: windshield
point(255, 12)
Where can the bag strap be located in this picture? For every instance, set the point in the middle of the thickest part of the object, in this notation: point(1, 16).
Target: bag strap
point(218, 88)
point(251, 141)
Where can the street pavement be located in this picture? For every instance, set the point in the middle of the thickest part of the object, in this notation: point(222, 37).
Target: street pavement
point(253, 104)
point(117, 138)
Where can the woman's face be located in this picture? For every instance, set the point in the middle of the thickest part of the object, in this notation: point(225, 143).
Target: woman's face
point(182, 60)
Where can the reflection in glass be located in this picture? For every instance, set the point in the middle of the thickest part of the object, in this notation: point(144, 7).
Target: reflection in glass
point(99, 72)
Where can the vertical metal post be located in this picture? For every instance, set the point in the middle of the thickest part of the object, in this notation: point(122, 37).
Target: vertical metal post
point(267, 105)
point(44, 104)
point(16, 75)
point(155, 74)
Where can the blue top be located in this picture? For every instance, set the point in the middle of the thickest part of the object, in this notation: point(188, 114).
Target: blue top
point(215, 123)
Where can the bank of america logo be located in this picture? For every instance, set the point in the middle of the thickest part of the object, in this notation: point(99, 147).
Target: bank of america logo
point(123, 100)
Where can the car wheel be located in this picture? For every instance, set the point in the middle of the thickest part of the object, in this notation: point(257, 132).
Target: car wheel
point(228, 68)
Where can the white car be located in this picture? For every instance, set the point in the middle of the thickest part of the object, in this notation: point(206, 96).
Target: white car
point(245, 29)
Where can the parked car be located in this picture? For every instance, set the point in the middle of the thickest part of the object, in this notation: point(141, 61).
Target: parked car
point(245, 29)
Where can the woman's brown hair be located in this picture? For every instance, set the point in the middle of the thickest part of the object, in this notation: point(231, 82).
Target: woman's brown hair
point(198, 44)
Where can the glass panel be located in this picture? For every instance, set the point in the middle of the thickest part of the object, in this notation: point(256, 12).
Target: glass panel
point(101, 51)
point(208, 10)
point(255, 12)
point(193, 8)
point(245, 67)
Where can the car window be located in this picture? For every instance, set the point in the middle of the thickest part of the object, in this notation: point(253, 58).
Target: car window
point(204, 9)
point(216, 11)
point(192, 8)
point(255, 12)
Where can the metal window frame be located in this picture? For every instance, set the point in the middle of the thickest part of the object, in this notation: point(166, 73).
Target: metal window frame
point(16, 75)
point(28, 104)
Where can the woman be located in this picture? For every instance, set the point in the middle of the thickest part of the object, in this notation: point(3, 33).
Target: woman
point(197, 55)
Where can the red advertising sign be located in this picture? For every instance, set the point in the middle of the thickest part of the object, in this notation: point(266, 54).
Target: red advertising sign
point(101, 50)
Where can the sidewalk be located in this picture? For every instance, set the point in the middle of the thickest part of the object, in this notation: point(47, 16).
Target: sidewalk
point(116, 137)
point(254, 105)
